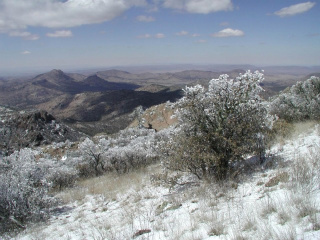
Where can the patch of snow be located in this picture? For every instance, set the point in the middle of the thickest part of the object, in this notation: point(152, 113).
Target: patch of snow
point(250, 210)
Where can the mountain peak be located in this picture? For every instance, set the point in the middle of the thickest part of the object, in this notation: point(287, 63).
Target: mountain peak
point(94, 76)
point(56, 72)
point(94, 79)
point(53, 75)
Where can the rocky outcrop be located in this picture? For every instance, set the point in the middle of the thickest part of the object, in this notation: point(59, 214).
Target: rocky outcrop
point(31, 129)
point(157, 117)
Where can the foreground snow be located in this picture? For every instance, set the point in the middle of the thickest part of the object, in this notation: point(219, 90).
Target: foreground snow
point(278, 202)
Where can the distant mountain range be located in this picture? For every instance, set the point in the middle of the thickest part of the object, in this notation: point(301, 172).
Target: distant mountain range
point(58, 80)
point(220, 68)
point(104, 101)
point(83, 100)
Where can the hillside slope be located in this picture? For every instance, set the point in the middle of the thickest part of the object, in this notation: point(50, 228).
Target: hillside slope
point(281, 200)
point(109, 112)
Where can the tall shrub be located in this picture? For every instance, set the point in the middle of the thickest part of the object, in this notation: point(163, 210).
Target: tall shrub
point(299, 102)
point(219, 125)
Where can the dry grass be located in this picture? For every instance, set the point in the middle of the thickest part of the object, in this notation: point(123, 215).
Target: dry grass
point(277, 204)
point(217, 226)
point(283, 131)
point(303, 127)
point(110, 186)
point(280, 177)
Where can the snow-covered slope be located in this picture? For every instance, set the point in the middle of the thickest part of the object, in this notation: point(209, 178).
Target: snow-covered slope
point(279, 201)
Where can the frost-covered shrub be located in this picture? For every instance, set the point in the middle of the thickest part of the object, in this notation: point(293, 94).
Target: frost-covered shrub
point(62, 176)
point(93, 163)
point(299, 102)
point(129, 149)
point(139, 152)
point(24, 188)
point(26, 178)
point(125, 137)
point(219, 125)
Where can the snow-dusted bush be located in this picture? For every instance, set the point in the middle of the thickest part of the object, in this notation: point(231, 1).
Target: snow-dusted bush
point(142, 147)
point(24, 188)
point(219, 125)
point(299, 102)
point(26, 177)
point(130, 148)
point(93, 163)
point(62, 176)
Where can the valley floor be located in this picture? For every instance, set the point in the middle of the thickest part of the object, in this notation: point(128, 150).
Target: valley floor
point(281, 201)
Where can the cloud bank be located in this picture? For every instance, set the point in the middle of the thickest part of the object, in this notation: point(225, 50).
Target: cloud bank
point(199, 6)
point(61, 33)
point(228, 32)
point(182, 33)
point(159, 35)
point(24, 35)
point(295, 9)
point(20, 14)
point(25, 52)
point(147, 35)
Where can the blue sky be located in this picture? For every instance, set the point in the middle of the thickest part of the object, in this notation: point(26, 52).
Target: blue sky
point(75, 34)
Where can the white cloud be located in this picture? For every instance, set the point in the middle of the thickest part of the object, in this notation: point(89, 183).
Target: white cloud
point(199, 6)
point(295, 9)
point(145, 36)
point(25, 52)
point(61, 33)
point(24, 35)
point(195, 35)
point(143, 18)
point(182, 33)
point(159, 35)
point(228, 32)
point(20, 14)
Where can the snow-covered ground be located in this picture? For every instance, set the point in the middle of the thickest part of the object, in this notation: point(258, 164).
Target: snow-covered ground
point(280, 201)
